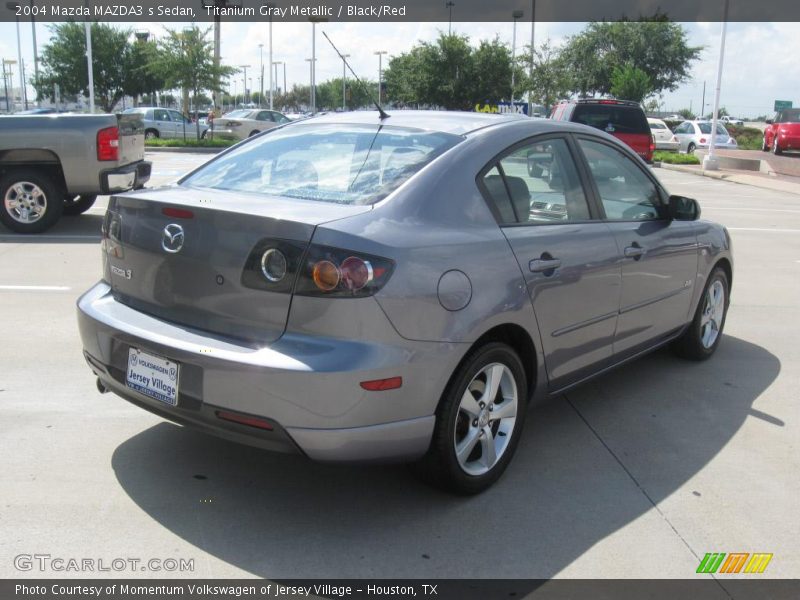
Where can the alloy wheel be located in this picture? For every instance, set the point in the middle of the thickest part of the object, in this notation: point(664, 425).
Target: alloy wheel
point(485, 419)
point(713, 313)
point(25, 202)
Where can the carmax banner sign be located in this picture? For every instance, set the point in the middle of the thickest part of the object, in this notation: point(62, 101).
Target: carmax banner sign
point(504, 108)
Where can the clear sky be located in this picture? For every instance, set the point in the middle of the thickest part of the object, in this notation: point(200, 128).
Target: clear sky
point(761, 63)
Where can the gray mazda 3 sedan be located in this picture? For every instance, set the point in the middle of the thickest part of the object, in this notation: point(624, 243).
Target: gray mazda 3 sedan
point(354, 288)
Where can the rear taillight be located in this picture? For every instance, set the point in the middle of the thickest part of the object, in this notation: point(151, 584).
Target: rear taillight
point(652, 144)
point(702, 140)
point(286, 266)
point(233, 124)
point(108, 144)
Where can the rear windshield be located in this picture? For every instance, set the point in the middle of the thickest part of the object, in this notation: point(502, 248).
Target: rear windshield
point(612, 118)
point(706, 128)
point(657, 126)
point(789, 116)
point(345, 164)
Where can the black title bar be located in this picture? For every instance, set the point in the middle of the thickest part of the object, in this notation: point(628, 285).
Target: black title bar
point(138, 11)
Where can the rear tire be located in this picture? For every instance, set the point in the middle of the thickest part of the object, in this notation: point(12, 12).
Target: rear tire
point(254, 132)
point(764, 145)
point(151, 134)
point(77, 205)
point(704, 333)
point(776, 149)
point(30, 203)
point(477, 430)
point(690, 148)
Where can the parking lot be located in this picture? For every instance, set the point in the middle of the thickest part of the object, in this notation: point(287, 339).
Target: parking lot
point(637, 474)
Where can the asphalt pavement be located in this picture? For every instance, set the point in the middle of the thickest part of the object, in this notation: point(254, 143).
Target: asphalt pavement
point(636, 474)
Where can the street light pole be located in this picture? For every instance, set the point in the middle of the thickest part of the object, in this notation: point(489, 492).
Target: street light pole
point(344, 81)
point(271, 86)
point(90, 64)
point(380, 54)
point(710, 162)
point(275, 69)
point(449, 4)
point(517, 14)
point(533, 53)
point(261, 83)
point(22, 95)
point(310, 62)
point(35, 53)
point(244, 82)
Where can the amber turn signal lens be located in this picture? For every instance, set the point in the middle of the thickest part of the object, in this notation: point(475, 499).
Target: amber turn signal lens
point(326, 275)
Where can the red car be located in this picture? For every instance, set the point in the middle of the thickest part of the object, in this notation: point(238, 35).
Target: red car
point(783, 132)
point(623, 119)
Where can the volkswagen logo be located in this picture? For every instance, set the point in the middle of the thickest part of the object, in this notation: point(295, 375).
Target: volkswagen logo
point(172, 238)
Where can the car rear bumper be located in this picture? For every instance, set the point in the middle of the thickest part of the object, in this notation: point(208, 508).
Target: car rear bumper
point(129, 177)
point(789, 142)
point(667, 145)
point(306, 388)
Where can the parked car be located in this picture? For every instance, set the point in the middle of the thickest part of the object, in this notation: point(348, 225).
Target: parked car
point(166, 123)
point(782, 132)
point(728, 120)
point(57, 164)
point(623, 119)
point(244, 123)
point(665, 139)
point(352, 291)
point(697, 134)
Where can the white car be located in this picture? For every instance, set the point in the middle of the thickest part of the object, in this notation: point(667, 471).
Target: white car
point(697, 134)
point(663, 136)
point(732, 121)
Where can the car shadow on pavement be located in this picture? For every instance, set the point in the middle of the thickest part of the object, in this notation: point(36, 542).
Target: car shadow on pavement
point(589, 463)
point(81, 229)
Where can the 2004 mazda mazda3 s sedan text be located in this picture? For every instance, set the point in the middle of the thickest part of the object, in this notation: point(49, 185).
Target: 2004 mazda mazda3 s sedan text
point(363, 289)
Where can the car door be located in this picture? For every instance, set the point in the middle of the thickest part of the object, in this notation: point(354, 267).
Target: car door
point(684, 133)
point(568, 257)
point(659, 254)
point(183, 127)
point(164, 124)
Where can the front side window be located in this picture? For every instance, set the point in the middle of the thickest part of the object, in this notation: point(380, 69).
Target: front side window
point(346, 164)
point(537, 183)
point(625, 191)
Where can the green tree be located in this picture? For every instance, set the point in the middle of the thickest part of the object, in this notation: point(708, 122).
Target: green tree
point(630, 83)
point(657, 47)
point(63, 62)
point(491, 73)
point(140, 77)
point(185, 61)
point(551, 75)
point(686, 113)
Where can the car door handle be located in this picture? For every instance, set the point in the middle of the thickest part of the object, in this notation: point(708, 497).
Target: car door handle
point(540, 265)
point(634, 251)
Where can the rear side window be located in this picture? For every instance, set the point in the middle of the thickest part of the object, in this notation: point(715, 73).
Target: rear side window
point(537, 183)
point(161, 115)
point(612, 118)
point(346, 164)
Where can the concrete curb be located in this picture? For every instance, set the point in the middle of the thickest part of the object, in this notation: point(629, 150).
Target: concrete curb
point(184, 150)
point(752, 180)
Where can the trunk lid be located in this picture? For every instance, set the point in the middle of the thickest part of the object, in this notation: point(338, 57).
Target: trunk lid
point(200, 284)
point(131, 138)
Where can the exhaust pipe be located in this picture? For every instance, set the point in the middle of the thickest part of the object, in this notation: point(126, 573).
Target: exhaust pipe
point(101, 387)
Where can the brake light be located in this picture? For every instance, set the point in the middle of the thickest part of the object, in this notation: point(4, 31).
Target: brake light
point(316, 271)
point(108, 144)
point(232, 124)
point(652, 144)
point(177, 213)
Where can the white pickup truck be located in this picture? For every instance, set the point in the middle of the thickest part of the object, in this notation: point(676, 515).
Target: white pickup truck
point(53, 165)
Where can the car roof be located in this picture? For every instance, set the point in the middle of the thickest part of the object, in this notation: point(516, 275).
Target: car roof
point(453, 122)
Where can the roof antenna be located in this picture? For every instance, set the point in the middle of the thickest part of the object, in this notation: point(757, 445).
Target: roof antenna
point(383, 114)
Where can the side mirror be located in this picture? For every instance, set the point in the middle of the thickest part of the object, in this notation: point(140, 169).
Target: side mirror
point(682, 208)
point(769, 121)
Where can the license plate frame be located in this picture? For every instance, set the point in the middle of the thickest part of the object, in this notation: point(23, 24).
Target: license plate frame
point(153, 376)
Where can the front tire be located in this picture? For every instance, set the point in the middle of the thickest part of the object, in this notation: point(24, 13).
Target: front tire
point(704, 333)
point(478, 422)
point(77, 205)
point(30, 202)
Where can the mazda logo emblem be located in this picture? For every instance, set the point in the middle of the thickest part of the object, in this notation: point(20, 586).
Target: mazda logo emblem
point(172, 238)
